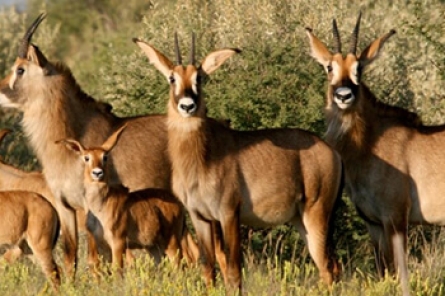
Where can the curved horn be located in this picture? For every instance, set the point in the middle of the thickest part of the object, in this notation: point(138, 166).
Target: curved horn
point(336, 36)
point(192, 50)
point(177, 52)
point(23, 46)
point(354, 36)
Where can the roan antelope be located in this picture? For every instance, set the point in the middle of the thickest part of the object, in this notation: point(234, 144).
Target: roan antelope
point(12, 178)
point(55, 107)
point(394, 165)
point(30, 225)
point(152, 219)
point(259, 178)
point(29, 220)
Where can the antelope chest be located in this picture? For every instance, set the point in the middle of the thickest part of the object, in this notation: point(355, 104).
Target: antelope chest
point(366, 202)
point(67, 186)
point(199, 197)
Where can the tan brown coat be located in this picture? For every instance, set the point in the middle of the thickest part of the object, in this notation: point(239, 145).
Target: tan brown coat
point(12, 178)
point(54, 107)
point(394, 165)
point(152, 219)
point(260, 178)
point(28, 219)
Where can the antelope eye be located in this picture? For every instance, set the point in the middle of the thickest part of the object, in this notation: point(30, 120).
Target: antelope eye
point(329, 68)
point(105, 158)
point(86, 158)
point(20, 71)
point(171, 79)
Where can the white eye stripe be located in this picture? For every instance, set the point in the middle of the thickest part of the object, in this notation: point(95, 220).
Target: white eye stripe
point(12, 80)
point(335, 73)
point(353, 73)
point(194, 82)
point(178, 83)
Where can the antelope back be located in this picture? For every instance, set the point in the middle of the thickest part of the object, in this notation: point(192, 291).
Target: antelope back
point(185, 81)
point(344, 73)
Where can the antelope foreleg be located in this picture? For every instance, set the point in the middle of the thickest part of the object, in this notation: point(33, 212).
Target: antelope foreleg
point(206, 248)
point(397, 238)
point(118, 247)
point(93, 254)
point(219, 247)
point(68, 226)
point(230, 225)
point(189, 248)
point(383, 258)
point(399, 247)
point(174, 250)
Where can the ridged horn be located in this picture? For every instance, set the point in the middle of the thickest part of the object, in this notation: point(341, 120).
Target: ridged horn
point(23, 46)
point(354, 37)
point(177, 51)
point(337, 40)
point(192, 50)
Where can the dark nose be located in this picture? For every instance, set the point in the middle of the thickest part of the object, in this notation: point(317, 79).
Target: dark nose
point(343, 97)
point(98, 173)
point(187, 107)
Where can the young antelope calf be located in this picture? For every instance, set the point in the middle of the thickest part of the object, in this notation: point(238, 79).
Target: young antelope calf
point(150, 219)
point(12, 178)
point(27, 217)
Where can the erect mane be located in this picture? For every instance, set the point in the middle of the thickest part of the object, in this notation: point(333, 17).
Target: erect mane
point(65, 71)
point(403, 116)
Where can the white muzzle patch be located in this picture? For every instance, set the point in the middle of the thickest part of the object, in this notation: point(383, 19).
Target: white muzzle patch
point(187, 107)
point(7, 103)
point(343, 97)
point(97, 174)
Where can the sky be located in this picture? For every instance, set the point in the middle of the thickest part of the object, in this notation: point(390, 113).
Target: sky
point(9, 2)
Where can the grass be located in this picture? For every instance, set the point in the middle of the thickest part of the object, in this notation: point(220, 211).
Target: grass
point(268, 276)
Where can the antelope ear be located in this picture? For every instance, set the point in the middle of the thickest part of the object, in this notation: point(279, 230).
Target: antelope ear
point(215, 59)
point(319, 51)
point(372, 51)
point(161, 62)
point(112, 140)
point(36, 56)
point(3, 133)
point(72, 145)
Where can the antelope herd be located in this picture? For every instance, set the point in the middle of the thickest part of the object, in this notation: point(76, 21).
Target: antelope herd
point(135, 178)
